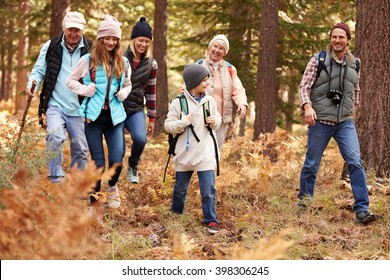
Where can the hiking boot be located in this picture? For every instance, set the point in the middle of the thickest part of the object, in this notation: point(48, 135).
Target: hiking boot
point(365, 217)
point(212, 227)
point(301, 209)
point(133, 175)
point(113, 199)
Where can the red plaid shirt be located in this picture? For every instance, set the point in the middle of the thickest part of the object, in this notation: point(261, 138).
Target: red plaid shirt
point(150, 92)
point(308, 79)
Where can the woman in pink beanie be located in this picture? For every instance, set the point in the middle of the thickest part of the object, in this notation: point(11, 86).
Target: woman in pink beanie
point(106, 83)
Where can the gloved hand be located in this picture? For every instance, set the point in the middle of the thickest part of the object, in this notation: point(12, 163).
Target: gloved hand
point(122, 94)
point(90, 90)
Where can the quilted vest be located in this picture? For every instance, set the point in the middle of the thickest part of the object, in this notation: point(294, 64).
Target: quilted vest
point(139, 78)
point(226, 81)
point(91, 107)
point(54, 61)
point(344, 77)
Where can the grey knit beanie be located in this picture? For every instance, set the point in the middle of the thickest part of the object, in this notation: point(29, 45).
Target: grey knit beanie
point(194, 74)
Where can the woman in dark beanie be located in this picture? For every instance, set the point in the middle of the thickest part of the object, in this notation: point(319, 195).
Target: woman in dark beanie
point(143, 78)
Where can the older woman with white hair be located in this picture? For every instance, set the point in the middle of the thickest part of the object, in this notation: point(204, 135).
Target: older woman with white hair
point(224, 84)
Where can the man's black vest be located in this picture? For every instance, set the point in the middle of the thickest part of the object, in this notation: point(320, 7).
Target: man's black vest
point(53, 67)
point(139, 79)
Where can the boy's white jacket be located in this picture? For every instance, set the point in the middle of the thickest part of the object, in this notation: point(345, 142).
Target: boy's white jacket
point(200, 155)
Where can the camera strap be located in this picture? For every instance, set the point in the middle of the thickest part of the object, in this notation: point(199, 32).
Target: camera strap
point(341, 79)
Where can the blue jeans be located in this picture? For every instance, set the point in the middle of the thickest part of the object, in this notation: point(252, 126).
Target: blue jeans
point(113, 135)
point(136, 125)
point(347, 140)
point(207, 191)
point(57, 125)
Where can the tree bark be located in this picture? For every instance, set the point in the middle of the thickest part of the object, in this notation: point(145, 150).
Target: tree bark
point(266, 75)
point(21, 75)
point(373, 118)
point(58, 11)
point(10, 53)
point(160, 53)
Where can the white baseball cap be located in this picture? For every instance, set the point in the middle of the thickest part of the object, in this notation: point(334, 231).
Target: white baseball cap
point(75, 20)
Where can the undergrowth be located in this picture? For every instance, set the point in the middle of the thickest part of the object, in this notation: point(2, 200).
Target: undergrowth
point(256, 207)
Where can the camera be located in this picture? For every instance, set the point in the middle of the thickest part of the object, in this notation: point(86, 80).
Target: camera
point(335, 95)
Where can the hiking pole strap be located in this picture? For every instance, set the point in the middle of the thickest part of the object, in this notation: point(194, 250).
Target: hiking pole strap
point(193, 132)
point(215, 148)
point(166, 168)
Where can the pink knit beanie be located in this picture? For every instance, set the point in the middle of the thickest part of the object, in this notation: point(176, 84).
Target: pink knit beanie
point(110, 26)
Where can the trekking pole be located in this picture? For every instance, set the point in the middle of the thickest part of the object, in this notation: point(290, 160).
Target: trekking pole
point(29, 98)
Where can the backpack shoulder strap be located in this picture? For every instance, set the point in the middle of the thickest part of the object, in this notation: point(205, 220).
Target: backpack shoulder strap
point(357, 61)
point(320, 57)
point(183, 103)
point(206, 113)
point(206, 110)
point(172, 140)
point(92, 74)
point(230, 68)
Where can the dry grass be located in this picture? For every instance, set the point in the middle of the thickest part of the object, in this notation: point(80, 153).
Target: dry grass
point(45, 221)
point(256, 207)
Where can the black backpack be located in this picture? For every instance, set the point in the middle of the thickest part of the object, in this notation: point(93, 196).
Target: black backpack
point(172, 140)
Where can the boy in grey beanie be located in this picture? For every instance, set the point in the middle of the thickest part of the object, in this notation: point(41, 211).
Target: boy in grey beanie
point(195, 152)
point(194, 74)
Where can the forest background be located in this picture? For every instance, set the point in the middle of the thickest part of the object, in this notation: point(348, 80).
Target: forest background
point(270, 44)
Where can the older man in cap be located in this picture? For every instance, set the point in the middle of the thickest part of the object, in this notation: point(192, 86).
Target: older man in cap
point(58, 104)
point(328, 99)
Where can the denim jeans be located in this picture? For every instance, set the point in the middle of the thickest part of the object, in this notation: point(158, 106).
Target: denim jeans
point(113, 135)
point(347, 140)
point(136, 125)
point(57, 125)
point(207, 191)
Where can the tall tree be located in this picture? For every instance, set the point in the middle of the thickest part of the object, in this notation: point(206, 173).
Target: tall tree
point(160, 53)
point(266, 74)
point(243, 16)
point(21, 76)
point(373, 119)
point(58, 11)
point(10, 53)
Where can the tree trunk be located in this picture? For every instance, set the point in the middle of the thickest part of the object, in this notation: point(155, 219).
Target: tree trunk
point(2, 67)
point(160, 53)
point(21, 75)
point(266, 74)
point(290, 110)
point(238, 38)
point(373, 47)
point(58, 11)
point(10, 53)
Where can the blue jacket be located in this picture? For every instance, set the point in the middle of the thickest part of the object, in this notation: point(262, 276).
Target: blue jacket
point(92, 106)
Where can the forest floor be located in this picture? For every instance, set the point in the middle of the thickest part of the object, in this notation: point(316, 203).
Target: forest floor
point(256, 206)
